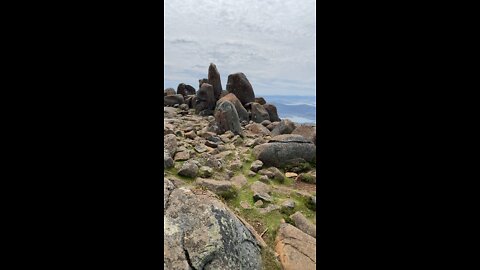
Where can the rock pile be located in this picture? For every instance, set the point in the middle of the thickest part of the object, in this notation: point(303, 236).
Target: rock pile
point(210, 99)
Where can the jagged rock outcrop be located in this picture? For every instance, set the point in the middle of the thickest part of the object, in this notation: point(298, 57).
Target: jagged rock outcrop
point(200, 232)
point(214, 80)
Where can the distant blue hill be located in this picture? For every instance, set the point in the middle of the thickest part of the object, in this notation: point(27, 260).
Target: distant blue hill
point(299, 109)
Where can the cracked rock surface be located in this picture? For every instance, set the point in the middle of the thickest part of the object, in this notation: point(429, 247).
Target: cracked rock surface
point(202, 233)
point(296, 249)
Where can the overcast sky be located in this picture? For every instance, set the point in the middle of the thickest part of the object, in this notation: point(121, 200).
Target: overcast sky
point(271, 41)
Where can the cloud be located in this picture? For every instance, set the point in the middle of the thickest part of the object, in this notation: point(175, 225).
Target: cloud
point(272, 42)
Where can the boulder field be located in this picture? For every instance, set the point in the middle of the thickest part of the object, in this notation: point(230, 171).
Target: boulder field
point(239, 182)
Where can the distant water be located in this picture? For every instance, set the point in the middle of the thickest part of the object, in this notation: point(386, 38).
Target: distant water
point(299, 109)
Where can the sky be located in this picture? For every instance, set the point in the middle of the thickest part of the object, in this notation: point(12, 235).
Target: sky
point(271, 41)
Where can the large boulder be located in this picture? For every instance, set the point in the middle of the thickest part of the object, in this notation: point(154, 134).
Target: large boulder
point(226, 118)
point(173, 100)
point(205, 99)
point(296, 249)
point(200, 232)
point(169, 92)
point(190, 90)
point(214, 80)
point(239, 85)
point(285, 149)
point(272, 112)
point(241, 111)
point(185, 90)
point(259, 114)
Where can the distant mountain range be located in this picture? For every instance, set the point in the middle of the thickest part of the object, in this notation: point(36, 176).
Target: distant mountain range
point(299, 109)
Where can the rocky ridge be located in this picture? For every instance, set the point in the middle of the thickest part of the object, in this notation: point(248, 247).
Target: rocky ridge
point(239, 182)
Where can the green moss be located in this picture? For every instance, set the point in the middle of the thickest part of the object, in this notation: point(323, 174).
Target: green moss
point(270, 221)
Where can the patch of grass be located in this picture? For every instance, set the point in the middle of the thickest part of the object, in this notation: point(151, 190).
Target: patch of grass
point(174, 172)
point(261, 222)
point(244, 194)
point(298, 167)
point(247, 163)
point(289, 181)
point(231, 193)
point(289, 220)
point(307, 178)
point(302, 205)
point(270, 221)
point(269, 261)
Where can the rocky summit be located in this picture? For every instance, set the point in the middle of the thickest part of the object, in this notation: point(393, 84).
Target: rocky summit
point(239, 183)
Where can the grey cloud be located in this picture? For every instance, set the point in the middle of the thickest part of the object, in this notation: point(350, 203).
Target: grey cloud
point(182, 41)
point(272, 42)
